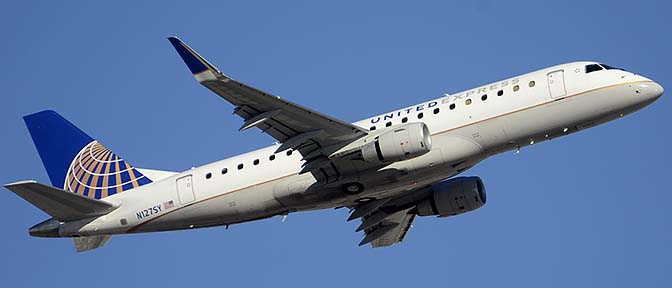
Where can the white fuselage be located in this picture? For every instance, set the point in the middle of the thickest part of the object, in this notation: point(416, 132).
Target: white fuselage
point(466, 128)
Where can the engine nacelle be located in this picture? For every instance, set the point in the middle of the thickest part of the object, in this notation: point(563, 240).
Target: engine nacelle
point(399, 143)
point(453, 197)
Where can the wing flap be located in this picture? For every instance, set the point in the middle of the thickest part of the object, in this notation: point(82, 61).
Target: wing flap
point(397, 234)
point(389, 228)
point(60, 204)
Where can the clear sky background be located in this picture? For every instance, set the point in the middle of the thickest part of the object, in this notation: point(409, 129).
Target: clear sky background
point(591, 209)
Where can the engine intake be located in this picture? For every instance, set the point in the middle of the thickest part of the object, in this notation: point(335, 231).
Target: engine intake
point(453, 197)
point(399, 143)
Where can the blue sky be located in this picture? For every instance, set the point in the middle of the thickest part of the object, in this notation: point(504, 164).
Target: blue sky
point(591, 209)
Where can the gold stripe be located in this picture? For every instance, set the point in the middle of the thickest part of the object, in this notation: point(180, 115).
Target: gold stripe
point(88, 167)
point(118, 175)
point(87, 161)
point(131, 175)
point(94, 181)
point(103, 158)
point(75, 170)
point(106, 177)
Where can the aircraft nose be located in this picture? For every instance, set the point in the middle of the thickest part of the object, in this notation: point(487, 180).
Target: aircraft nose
point(650, 90)
point(658, 90)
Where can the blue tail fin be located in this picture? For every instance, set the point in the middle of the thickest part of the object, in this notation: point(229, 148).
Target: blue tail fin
point(76, 162)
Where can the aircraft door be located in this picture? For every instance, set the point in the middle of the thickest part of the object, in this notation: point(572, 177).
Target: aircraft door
point(185, 189)
point(556, 84)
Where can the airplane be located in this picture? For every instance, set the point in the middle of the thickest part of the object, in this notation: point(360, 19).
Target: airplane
point(386, 169)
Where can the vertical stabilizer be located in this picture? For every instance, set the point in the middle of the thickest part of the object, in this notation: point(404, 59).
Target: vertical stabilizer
point(76, 162)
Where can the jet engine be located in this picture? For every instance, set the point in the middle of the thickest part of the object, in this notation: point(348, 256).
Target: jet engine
point(453, 197)
point(399, 143)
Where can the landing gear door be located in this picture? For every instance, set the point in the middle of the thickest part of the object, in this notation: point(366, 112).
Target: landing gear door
point(185, 189)
point(556, 84)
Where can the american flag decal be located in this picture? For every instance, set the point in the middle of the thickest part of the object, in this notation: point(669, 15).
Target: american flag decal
point(169, 204)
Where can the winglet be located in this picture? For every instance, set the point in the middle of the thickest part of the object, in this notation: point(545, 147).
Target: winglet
point(196, 64)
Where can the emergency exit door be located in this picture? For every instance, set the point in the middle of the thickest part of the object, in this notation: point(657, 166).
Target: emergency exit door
point(556, 84)
point(185, 190)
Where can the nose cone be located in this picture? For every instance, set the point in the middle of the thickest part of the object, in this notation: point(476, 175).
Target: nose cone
point(658, 90)
point(651, 90)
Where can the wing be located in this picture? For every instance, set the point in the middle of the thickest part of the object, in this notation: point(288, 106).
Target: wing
point(383, 222)
point(386, 221)
point(295, 126)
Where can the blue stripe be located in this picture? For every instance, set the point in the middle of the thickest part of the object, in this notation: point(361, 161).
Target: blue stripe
point(143, 181)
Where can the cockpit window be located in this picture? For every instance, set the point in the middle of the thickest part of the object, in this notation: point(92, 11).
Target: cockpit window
point(610, 67)
point(593, 68)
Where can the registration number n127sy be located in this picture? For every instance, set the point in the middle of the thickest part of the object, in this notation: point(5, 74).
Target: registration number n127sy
point(156, 209)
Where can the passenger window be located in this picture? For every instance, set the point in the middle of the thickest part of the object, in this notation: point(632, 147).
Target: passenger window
point(256, 162)
point(225, 170)
point(208, 176)
point(271, 158)
point(388, 124)
point(484, 97)
point(531, 84)
point(516, 88)
point(436, 110)
point(404, 120)
point(372, 128)
point(468, 102)
point(420, 115)
point(592, 68)
point(452, 106)
point(289, 152)
point(240, 166)
point(500, 92)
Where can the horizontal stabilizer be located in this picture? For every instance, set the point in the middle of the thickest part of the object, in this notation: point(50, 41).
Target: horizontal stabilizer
point(60, 204)
point(90, 242)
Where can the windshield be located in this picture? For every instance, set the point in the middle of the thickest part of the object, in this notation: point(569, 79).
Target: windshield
point(592, 68)
point(597, 67)
point(611, 67)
